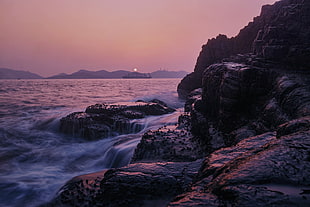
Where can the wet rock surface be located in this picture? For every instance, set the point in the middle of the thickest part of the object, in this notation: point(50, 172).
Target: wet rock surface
point(138, 184)
point(106, 120)
point(82, 190)
point(147, 184)
point(246, 96)
point(169, 144)
point(265, 170)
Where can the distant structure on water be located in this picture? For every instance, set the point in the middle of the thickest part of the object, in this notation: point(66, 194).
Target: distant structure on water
point(137, 75)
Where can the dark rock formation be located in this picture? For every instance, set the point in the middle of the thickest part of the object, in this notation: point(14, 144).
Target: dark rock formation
point(104, 120)
point(147, 184)
point(82, 190)
point(169, 144)
point(139, 184)
point(286, 37)
point(188, 83)
point(280, 33)
point(258, 105)
point(246, 97)
point(265, 170)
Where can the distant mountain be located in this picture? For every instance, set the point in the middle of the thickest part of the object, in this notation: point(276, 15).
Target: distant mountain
point(103, 74)
point(86, 74)
point(6, 73)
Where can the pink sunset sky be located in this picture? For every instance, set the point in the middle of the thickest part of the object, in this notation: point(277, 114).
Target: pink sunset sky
point(54, 36)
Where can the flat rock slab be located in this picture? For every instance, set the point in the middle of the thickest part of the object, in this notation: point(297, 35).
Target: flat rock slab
point(267, 170)
point(146, 184)
point(106, 120)
point(139, 184)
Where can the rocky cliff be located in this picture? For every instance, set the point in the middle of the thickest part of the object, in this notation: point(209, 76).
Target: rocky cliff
point(244, 138)
point(280, 33)
point(253, 112)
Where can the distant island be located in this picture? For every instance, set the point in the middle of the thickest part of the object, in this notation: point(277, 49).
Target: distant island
point(6, 73)
point(86, 74)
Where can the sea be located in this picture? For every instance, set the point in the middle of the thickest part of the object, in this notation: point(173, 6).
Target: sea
point(36, 159)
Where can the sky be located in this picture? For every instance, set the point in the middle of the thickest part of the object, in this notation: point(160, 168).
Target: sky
point(49, 37)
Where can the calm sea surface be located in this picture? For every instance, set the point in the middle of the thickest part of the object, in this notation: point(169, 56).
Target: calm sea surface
point(36, 159)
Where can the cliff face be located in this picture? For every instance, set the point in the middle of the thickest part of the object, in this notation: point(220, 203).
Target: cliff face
point(286, 37)
point(253, 112)
point(280, 33)
point(261, 76)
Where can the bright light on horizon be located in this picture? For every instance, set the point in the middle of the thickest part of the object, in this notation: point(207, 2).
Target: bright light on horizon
point(135, 69)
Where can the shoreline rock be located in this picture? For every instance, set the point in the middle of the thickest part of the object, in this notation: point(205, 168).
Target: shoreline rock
point(106, 120)
point(169, 143)
point(266, 170)
point(138, 184)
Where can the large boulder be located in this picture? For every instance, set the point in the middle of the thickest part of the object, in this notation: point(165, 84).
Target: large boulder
point(172, 143)
point(139, 184)
point(105, 120)
point(187, 84)
point(267, 170)
point(83, 190)
point(239, 100)
point(233, 91)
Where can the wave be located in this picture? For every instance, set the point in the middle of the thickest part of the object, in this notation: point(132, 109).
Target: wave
point(45, 154)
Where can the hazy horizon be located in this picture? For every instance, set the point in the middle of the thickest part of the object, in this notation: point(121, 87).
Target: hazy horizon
point(54, 36)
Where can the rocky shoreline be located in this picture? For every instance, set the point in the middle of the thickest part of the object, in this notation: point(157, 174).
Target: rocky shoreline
point(106, 120)
point(244, 137)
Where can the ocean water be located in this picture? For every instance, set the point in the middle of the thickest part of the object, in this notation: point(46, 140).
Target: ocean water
point(36, 159)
